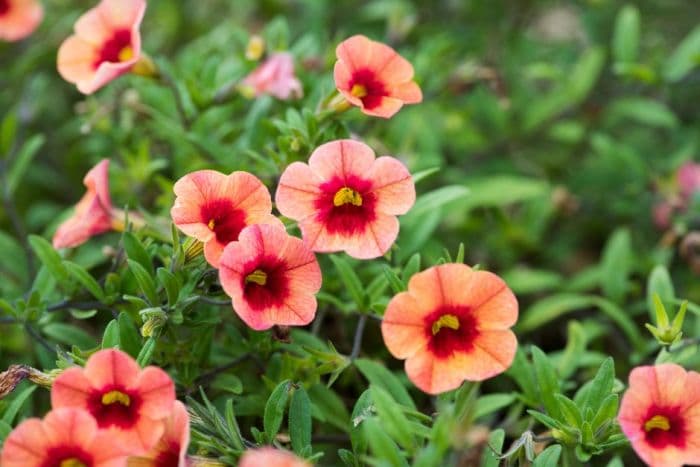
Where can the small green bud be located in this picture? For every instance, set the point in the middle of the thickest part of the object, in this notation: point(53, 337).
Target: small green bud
point(665, 332)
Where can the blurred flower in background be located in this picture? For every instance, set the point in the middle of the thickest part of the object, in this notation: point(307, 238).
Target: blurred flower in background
point(275, 76)
point(19, 18)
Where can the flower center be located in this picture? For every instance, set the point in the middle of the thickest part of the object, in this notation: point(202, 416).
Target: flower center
point(211, 224)
point(4, 6)
point(72, 462)
point(359, 90)
point(116, 397)
point(445, 321)
point(116, 49)
point(125, 54)
point(258, 277)
point(347, 196)
point(657, 422)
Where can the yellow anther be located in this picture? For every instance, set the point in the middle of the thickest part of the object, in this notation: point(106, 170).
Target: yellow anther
point(211, 224)
point(445, 321)
point(358, 90)
point(72, 462)
point(113, 397)
point(657, 422)
point(347, 196)
point(125, 54)
point(258, 277)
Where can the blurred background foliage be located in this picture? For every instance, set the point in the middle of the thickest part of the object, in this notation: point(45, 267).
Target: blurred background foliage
point(556, 127)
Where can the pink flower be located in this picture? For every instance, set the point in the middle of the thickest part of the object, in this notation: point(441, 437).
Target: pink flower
point(171, 450)
point(19, 18)
point(275, 76)
point(106, 44)
point(345, 199)
point(93, 213)
point(688, 177)
point(270, 457)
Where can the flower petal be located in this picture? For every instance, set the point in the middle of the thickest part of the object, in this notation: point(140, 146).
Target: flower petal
point(393, 185)
point(342, 158)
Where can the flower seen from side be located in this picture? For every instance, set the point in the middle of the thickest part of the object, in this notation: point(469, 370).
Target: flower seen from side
point(19, 18)
point(275, 76)
point(171, 449)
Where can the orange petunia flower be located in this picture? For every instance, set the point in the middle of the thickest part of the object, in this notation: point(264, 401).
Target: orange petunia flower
point(270, 457)
point(214, 208)
point(345, 199)
point(372, 76)
point(171, 450)
point(106, 44)
point(130, 403)
point(19, 18)
point(93, 213)
point(453, 324)
point(65, 437)
point(271, 277)
point(275, 76)
point(660, 414)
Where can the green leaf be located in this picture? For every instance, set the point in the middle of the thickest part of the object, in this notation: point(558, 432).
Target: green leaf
point(659, 282)
point(49, 258)
point(8, 130)
point(146, 353)
point(5, 430)
point(145, 281)
point(575, 346)
point(643, 110)
point(69, 335)
point(684, 58)
point(412, 267)
point(607, 411)
point(136, 251)
point(274, 409)
point(110, 338)
point(491, 403)
point(392, 417)
point(378, 375)
point(547, 381)
point(625, 42)
point(616, 265)
point(170, 284)
point(351, 281)
point(23, 161)
point(526, 280)
point(489, 458)
point(522, 372)
point(503, 190)
point(300, 420)
point(437, 198)
point(12, 410)
point(394, 280)
point(546, 420)
point(423, 174)
point(549, 457)
point(601, 386)
point(570, 411)
point(381, 445)
point(85, 279)
point(129, 337)
point(362, 410)
point(330, 406)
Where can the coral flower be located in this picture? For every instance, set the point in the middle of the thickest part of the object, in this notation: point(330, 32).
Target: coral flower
point(130, 403)
point(453, 324)
point(19, 18)
point(93, 213)
point(106, 44)
point(270, 457)
point(275, 76)
point(271, 278)
point(660, 414)
point(66, 438)
point(374, 77)
point(171, 450)
point(214, 208)
point(345, 199)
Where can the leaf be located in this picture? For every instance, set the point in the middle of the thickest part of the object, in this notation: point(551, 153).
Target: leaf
point(274, 409)
point(8, 130)
point(412, 267)
point(625, 41)
point(503, 190)
point(601, 386)
point(643, 110)
point(362, 410)
point(300, 420)
point(659, 282)
point(570, 411)
point(684, 58)
point(489, 458)
point(392, 418)
point(136, 251)
point(549, 457)
point(381, 445)
point(607, 411)
point(491, 403)
point(12, 410)
point(575, 346)
point(49, 258)
point(129, 337)
point(378, 375)
point(69, 335)
point(145, 281)
point(110, 338)
point(522, 372)
point(546, 420)
point(423, 174)
point(394, 280)
point(85, 279)
point(351, 281)
point(526, 280)
point(170, 284)
point(330, 406)
point(23, 161)
point(547, 381)
point(437, 198)
point(146, 353)
point(616, 265)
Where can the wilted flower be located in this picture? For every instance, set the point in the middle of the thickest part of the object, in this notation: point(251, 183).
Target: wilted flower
point(171, 450)
point(19, 18)
point(67, 437)
point(214, 208)
point(453, 324)
point(271, 278)
point(372, 76)
point(275, 76)
point(660, 414)
point(270, 457)
point(106, 44)
point(345, 199)
point(130, 403)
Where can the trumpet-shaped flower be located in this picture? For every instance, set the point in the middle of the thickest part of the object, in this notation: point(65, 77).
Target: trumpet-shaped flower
point(275, 76)
point(271, 278)
point(214, 208)
point(106, 44)
point(129, 403)
point(372, 76)
point(93, 213)
point(66, 437)
point(345, 199)
point(453, 324)
point(270, 457)
point(171, 450)
point(660, 414)
point(19, 18)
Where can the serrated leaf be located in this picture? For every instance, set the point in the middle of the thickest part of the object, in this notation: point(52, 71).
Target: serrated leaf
point(85, 279)
point(274, 409)
point(300, 420)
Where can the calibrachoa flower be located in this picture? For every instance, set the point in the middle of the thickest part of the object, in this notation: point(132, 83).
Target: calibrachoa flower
point(171, 450)
point(270, 457)
point(106, 44)
point(660, 414)
point(345, 199)
point(271, 278)
point(214, 208)
point(130, 403)
point(65, 438)
point(275, 76)
point(374, 77)
point(19, 18)
point(453, 324)
point(93, 213)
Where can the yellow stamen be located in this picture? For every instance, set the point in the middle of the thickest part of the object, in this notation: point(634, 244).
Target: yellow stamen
point(358, 90)
point(211, 224)
point(116, 397)
point(125, 54)
point(445, 321)
point(657, 422)
point(259, 277)
point(72, 462)
point(347, 196)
